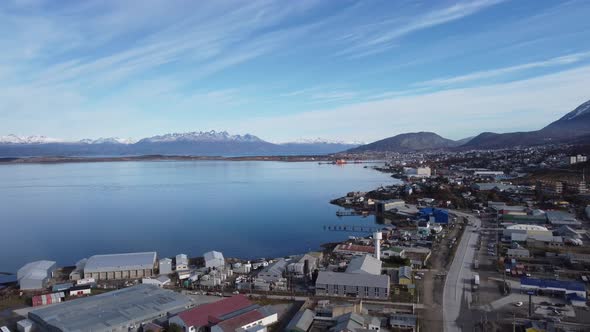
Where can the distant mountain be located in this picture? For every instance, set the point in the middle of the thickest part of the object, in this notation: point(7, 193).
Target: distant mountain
point(407, 143)
point(208, 143)
point(573, 127)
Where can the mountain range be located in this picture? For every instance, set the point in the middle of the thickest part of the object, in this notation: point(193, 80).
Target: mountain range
point(207, 143)
point(574, 127)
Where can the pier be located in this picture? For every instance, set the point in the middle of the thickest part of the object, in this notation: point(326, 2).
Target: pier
point(353, 228)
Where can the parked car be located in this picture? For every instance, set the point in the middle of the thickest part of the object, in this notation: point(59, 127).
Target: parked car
point(518, 304)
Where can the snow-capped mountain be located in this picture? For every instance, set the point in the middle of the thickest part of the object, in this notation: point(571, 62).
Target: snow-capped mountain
point(578, 112)
point(14, 139)
point(201, 136)
point(108, 140)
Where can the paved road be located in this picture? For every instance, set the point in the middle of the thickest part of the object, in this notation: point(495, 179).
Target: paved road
point(457, 289)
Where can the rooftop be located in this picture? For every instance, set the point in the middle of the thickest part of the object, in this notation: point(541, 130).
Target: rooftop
point(112, 310)
point(201, 315)
point(121, 262)
point(352, 279)
point(552, 283)
point(366, 264)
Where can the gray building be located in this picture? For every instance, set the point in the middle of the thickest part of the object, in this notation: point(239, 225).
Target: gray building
point(121, 266)
point(165, 266)
point(273, 272)
point(35, 275)
point(121, 310)
point(352, 284)
point(366, 264)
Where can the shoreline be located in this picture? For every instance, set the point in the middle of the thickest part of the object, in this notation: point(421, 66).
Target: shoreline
point(64, 159)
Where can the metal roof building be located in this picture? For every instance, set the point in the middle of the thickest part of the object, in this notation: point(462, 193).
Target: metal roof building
point(120, 266)
point(562, 286)
point(35, 275)
point(214, 259)
point(123, 309)
point(352, 284)
point(364, 264)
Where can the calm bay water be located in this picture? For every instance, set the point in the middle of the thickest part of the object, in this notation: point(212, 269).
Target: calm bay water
point(65, 212)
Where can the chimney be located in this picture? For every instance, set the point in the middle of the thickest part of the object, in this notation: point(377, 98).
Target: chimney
point(377, 236)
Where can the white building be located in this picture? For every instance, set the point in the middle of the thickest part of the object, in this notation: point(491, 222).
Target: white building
point(35, 275)
point(165, 266)
point(181, 262)
point(214, 259)
point(159, 281)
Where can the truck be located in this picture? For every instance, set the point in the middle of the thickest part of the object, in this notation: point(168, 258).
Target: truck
point(475, 281)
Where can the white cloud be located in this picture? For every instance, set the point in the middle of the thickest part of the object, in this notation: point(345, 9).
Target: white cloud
point(521, 105)
point(558, 61)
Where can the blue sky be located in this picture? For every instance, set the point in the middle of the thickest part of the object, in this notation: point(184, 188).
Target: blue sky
point(283, 70)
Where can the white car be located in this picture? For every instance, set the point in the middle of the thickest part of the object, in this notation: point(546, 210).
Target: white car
point(417, 278)
point(518, 304)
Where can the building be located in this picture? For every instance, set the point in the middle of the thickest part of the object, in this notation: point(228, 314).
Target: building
point(181, 262)
point(80, 290)
point(121, 266)
point(577, 159)
point(160, 281)
point(384, 206)
point(558, 218)
point(497, 186)
point(121, 310)
point(492, 174)
point(35, 275)
point(165, 265)
point(235, 312)
point(301, 322)
point(255, 320)
point(418, 256)
point(353, 249)
point(558, 287)
point(353, 322)
point(352, 285)
point(214, 259)
point(78, 272)
point(273, 273)
point(366, 264)
point(438, 216)
point(551, 187)
point(404, 275)
point(24, 325)
point(518, 253)
point(45, 299)
point(403, 322)
point(417, 172)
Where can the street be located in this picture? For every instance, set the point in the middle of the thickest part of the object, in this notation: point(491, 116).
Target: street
point(457, 289)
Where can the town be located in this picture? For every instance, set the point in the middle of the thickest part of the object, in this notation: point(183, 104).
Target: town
point(483, 241)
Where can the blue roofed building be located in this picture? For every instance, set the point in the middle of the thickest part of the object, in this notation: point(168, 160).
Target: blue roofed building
point(562, 287)
point(440, 216)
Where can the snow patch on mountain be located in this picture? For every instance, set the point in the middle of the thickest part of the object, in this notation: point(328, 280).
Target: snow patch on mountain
point(579, 111)
point(108, 140)
point(202, 136)
point(14, 139)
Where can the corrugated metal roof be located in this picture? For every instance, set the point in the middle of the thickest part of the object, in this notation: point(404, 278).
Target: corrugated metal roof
point(352, 279)
point(364, 264)
point(121, 262)
point(552, 283)
point(111, 311)
point(200, 316)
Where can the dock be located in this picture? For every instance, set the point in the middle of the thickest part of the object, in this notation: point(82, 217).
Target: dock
point(353, 228)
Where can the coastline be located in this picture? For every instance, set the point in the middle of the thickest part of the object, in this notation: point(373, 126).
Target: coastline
point(64, 159)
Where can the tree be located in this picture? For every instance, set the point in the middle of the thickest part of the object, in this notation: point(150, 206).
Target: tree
point(174, 328)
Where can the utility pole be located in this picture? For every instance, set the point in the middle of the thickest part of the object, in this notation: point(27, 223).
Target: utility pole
point(513, 322)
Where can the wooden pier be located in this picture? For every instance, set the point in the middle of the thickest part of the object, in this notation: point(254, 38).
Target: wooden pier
point(353, 228)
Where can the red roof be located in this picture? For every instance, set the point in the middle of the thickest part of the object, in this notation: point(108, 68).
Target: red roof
point(208, 314)
point(355, 248)
point(241, 320)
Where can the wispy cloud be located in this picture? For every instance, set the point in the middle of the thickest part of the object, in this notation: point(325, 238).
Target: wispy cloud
point(484, 74)
point(378, 37)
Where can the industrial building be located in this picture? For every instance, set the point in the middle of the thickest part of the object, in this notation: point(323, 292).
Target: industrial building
point(165, 266)
point(121, 266)
point(438, 216)
point(352, 284)
point(560, 287)
point(121, 310)
point(384, 206)
point(35, 275)
point(214, 259)
point(236, 313)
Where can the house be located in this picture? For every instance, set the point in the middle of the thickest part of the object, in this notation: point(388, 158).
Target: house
point(404, 275)
point(393, 252)
point(301, 322)
point(353, 322)
point(518, 253)
point(80, 290)
point(274, 272)
point(404, 322)
point(352, 285)
point(181, 262)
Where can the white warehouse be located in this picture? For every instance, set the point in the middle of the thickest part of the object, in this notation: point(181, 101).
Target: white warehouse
point(121, 266)
point(35, 275)
point(214, 259)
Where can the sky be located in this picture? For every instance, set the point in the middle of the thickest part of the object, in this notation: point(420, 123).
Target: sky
point(284, 70)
